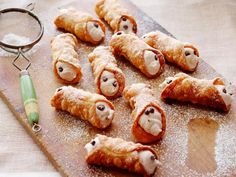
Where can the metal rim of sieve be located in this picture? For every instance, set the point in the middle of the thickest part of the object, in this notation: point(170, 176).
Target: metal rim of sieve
point(26, 46)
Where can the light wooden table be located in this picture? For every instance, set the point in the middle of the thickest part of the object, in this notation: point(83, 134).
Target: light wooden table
point(211, 26)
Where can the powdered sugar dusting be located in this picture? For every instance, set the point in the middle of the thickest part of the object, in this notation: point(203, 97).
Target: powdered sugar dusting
point(69, 125)
point(13, 39)
point(225, 150)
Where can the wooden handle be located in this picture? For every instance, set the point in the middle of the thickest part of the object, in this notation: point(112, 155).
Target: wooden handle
point(29, 97)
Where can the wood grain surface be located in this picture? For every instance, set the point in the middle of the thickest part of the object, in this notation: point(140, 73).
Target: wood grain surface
point(198, 141)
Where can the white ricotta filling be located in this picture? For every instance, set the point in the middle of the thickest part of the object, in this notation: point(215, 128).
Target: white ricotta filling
point(104, 113)
point(191, 58)
point(65, 71)
point(151, 62)
point(149, 34)
point(126, 25)
point(150, 121)
point(167, 81)
point(149, 161)
point(224, 94)
point(92, 144)
point(95, 31)
point(108, 84)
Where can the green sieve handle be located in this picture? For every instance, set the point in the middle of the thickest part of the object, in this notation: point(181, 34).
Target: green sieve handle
point(29, 99)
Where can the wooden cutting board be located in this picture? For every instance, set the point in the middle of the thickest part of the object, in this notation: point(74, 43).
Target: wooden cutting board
point(198, 141)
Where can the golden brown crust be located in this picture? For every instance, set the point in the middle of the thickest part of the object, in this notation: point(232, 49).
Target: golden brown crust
point(116, 152)
point(140, 97)
point(64, 50)
point(132, 48)
point(79, 103)
point(218, 81)
point(76, 22)
point(112, 12)
point(102, 59)
point(172, 49)
point(197, 91)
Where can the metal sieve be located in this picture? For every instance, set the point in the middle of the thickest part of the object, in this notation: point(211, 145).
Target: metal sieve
point(20, 30)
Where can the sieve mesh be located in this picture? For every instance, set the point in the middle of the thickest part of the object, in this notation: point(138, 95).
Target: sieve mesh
point(19, 27)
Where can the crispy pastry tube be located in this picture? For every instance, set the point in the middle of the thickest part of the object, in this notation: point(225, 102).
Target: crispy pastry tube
point(65, 58)
point(109, 79)
point(82, 24)
point(92, 107)
point(147, 59)
point(116, 16)
point(116, 152)
point(210, 93)
point(181, 54)
point(149, 118)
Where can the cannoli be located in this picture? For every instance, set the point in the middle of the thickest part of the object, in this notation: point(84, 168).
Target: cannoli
point(210, 93)
point(109, 79)
point(116, 16)
point(65, 58)
point(116, 152)
point(147, 59)
point(149, 118)
point(181, 54)
point(92, 107)
point(83, 25)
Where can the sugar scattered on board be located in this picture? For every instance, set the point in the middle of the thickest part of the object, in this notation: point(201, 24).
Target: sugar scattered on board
point(173, 149)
